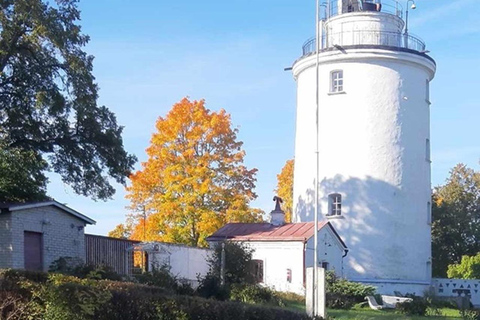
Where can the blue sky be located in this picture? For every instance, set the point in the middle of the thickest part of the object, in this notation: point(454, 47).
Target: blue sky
point(150, 54)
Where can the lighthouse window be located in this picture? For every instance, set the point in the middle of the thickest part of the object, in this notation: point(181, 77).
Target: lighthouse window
point(336, 81)
point(335, 204)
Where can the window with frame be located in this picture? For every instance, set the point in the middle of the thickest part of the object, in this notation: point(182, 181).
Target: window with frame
point(325, 265)
point(257, 270)
point(336, 81)
point(335, 201)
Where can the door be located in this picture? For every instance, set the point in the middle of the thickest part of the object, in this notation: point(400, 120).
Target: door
point(33, 250)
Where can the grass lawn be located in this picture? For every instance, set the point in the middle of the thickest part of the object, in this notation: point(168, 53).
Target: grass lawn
point(368, 314)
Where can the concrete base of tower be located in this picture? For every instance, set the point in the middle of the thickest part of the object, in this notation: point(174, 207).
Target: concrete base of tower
point(394, 287)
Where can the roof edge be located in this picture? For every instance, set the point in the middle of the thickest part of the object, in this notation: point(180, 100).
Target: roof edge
point(18, 207)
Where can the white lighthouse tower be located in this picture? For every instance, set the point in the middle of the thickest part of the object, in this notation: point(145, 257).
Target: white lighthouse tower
point(373, 135)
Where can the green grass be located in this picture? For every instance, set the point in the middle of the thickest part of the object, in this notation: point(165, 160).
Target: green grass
point(368, 314)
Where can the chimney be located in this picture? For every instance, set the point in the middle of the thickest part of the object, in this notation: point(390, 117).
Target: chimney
point(277, 216)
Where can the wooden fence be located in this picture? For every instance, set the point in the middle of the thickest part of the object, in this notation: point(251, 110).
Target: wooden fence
point(108, 251)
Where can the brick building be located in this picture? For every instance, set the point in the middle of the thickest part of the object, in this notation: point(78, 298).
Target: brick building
point(33, 235)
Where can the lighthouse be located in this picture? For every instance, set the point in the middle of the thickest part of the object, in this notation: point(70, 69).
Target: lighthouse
point(362, 145)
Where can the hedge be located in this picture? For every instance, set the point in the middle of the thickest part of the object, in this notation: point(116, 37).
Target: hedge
point(35, 295)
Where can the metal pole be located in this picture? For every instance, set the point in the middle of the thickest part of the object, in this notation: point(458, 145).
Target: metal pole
point(222, 265)
point(315, 227)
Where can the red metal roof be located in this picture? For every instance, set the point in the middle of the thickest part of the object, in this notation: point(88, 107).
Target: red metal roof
point(267, 232)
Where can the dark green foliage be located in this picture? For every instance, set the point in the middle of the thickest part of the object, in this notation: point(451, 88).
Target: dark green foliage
point(238, 270)
point(21, 175)
point(75, 267)
point(162, 277)
point(65, 297)
point(255, 294)
point(238, 259)
point(48, 101)
point(343, 294)
point(455, 219)
point(417, 307)
point(210, 287)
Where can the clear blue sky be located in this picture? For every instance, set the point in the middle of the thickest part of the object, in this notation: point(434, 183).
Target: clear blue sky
point(150, 54)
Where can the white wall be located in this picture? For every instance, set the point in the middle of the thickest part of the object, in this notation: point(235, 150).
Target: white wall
point(329, 250)
point(277, 257)
point(185, 262)
point(450, 287)
point(5, 241)
point(372, 145)
point(60, 239)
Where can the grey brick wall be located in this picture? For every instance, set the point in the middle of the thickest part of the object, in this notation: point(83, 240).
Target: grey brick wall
point(5, 241)
point(63, 234)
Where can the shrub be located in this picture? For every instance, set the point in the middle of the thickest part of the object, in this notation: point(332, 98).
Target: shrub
point(76, 267)
point(343, 294)
point(255, 294)
point(468, 268)
point(416, 307)
point(67, 297)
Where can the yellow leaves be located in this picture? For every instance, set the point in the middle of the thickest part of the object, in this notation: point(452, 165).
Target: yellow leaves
point(285, 188)
point(193, 181)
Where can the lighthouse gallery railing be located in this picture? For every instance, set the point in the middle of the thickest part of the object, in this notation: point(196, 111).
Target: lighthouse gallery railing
point(366, 37)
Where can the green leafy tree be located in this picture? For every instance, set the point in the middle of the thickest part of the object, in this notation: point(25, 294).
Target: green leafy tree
point(21, 176)
point(468, 268)
point(456, 217)
point(48, 99)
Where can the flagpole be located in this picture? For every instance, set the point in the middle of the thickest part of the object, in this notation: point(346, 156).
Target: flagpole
point(315, 224)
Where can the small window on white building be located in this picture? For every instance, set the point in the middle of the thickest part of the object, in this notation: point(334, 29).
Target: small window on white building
point(289, 275)
point(257, 270)
point(427, 150)
point(336, 81)
point(335, 204)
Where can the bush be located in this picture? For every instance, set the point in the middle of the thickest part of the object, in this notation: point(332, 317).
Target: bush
point(417, 307)
point(468, 268)
point(76, 267)
point(67, 297)
point(343, 294)
point(255, 294)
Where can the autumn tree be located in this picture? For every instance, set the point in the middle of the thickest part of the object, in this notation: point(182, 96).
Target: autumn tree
point(194, 180)
point(121, 231)
point(48, 103)
point(285, 189)
point(456, 219)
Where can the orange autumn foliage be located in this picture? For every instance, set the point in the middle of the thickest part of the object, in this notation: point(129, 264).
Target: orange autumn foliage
point(285, 189)
point(194, 180)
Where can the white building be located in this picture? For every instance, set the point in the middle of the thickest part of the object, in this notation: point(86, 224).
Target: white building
point(184, 262)
point(283, 251)
point(373, 141)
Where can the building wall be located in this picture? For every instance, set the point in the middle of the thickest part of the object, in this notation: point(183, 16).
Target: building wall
point(458, 287)
point(5, 241)
point(372, 150)
point(330, 250)
point(278, 257)
point(63, 234)
point(184, 262)
point(108, 251)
